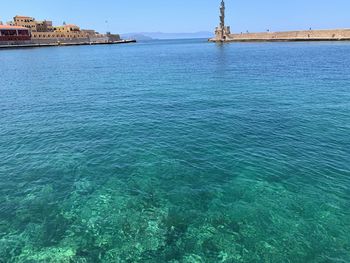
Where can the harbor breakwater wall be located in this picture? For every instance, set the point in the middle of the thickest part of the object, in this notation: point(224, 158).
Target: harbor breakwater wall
point(306, 35)
point(32, 44)
point(55, 41)
point(51, 40)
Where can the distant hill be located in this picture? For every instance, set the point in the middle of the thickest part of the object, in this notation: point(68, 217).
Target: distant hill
point(161, 35)
point(136, 36)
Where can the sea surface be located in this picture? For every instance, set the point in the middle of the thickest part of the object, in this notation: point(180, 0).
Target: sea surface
point(175, 151)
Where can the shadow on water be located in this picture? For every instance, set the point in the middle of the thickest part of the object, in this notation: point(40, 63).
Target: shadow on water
point(222, 55)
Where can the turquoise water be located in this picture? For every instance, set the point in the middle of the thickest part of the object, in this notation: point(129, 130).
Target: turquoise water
point(175, 151)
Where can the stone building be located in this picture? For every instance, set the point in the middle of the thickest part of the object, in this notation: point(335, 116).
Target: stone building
point(10, 35)
point(43, 32)
point(113, 37)
point(25, 21)
point(67, 29)
point(44, 26)
point(89, 32)
point(32, 24)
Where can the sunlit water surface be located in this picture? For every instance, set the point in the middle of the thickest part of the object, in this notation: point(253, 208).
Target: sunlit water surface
point(175, 151)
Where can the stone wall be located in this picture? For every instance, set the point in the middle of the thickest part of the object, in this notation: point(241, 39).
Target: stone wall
point(15, 43)
point(53, 40)
point(60, 40)
point(58, 35)
point(306, 35)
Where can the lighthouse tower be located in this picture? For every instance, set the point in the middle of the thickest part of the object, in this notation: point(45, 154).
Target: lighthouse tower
point(222, 32)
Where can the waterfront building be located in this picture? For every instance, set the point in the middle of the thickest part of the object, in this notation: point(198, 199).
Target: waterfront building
point(89, 32)
point(43, 32)
point(113, 37)
point(70, 33)
point(25, 21)
point(59, 36)
point(61, 32)
point(44, 26)
point(14, 34)
point(67, 28)
point(32, 24)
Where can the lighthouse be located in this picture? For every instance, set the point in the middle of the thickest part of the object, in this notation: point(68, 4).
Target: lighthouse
point(222, 32)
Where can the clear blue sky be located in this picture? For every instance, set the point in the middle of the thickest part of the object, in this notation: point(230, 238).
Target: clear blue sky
point(184, 15)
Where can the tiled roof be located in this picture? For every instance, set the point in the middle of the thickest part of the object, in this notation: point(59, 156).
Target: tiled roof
point(24, 17)
point(12, 27)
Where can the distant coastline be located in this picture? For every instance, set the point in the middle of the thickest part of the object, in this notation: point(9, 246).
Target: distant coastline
point(141, 36)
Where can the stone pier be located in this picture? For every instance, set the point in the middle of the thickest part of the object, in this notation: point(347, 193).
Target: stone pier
point(306, 35)
point(223, 34)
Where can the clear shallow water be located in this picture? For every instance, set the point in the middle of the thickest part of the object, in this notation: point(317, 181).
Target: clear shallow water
point(175, 151)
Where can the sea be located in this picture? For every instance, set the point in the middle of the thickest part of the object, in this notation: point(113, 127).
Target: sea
point(176, 151)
